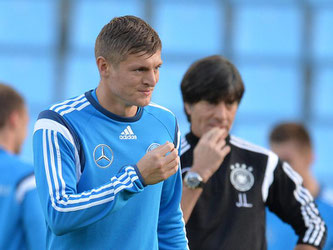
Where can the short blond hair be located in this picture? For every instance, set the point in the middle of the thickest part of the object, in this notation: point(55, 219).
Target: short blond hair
point(126, 35)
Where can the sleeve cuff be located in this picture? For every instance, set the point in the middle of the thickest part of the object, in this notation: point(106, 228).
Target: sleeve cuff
point(185, 170)
point(139, 175)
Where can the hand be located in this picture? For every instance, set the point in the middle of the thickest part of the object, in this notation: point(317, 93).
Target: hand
point(210, 152)
point(157, 165)
point(305, 247)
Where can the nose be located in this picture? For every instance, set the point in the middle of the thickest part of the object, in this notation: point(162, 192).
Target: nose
point(221, 111)
point(151, 77)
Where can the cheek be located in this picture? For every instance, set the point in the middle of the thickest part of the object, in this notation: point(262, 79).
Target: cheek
point(206, 114)
point(157, 76)
point(203, 118)
point(232, 114)
point(123, 87)
point(302, 161)
point(123, 79)
point(24, 131)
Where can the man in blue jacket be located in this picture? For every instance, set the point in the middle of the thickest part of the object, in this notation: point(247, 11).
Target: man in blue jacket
point(22, 224)
point(106, 162)
point(292, 142)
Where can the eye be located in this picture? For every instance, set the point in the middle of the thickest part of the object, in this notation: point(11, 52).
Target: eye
point(229, 104)
point(139, 69)
point(158, 67)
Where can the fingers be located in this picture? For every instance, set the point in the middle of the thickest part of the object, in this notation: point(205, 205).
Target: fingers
point(171, 156)
point(159, 164)
point(169, 161)
point(220, 143)
point(210, 133)
point(225, 150)
point(165, 148)
point(222, 146)
point(215, 134)
point(172, 167)
point(165, 154)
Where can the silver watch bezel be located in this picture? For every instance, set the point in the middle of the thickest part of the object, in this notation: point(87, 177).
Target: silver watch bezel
point(192, 180)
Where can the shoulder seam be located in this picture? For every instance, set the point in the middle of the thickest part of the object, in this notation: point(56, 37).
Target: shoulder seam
point(152, 104)
point(65, 107)
point(26, 184)
point(175, 124)
point(50, 119)
point(238, 142)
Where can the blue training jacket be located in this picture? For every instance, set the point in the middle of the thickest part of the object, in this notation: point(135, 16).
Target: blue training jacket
point(22, 223)
point(91, 191)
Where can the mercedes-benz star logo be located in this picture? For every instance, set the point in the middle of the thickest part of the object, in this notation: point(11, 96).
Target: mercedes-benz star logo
point(103, 156)
point(152, 147)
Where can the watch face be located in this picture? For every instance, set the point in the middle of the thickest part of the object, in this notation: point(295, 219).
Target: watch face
point(192, 179)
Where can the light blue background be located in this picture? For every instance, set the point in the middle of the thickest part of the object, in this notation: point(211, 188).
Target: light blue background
point(265, 39)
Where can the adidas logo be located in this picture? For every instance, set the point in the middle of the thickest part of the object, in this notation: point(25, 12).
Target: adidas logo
point(127, 134)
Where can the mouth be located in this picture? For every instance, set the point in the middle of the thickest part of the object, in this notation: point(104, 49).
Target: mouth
point(146, 92)
point(222, 126)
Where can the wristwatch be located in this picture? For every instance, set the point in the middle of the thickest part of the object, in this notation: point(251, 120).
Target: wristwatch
point(193, 180)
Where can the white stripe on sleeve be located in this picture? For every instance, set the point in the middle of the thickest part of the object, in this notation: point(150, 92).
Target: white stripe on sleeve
point(25, 186)
point(269, 174)
point(57, 127)
point(310, 213)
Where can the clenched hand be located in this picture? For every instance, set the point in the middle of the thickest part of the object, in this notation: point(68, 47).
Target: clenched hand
point(210, 152)
point(159, 164)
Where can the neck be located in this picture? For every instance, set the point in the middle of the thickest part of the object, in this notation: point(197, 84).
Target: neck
point(114, 104)
point(310, 183)
point(7, 141)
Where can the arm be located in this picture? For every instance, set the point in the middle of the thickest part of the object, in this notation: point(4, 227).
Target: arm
point(189, 199)
point(304, 247)
point(208, 156)
point(56, 161)
point(294, 205)
point(33, 220)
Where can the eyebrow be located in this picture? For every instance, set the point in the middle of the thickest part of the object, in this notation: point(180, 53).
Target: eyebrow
point(145, 67)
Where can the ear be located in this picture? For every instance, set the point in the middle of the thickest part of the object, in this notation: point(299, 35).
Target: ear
point(188, 108)
point(13, 119)
point(103, 66)
point(312, 157)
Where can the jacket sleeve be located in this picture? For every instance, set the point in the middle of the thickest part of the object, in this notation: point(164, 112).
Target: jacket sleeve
point(293, 204)
point(171, 226)
point(33, 220)
point(56, 170)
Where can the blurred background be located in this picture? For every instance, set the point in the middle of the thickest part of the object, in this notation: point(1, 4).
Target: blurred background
point(283, 49)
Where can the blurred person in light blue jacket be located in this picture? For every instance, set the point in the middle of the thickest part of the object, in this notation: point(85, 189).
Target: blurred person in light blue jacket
point(22, 224)
point(292, 143)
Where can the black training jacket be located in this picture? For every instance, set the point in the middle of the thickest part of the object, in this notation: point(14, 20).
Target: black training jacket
point(230, 213)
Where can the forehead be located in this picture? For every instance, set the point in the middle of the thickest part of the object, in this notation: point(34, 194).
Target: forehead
point(285, 149)
point(208, 104)
point(143, 59)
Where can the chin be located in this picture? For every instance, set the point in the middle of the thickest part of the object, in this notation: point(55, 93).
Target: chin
point(143, 103)
point(17, 151)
